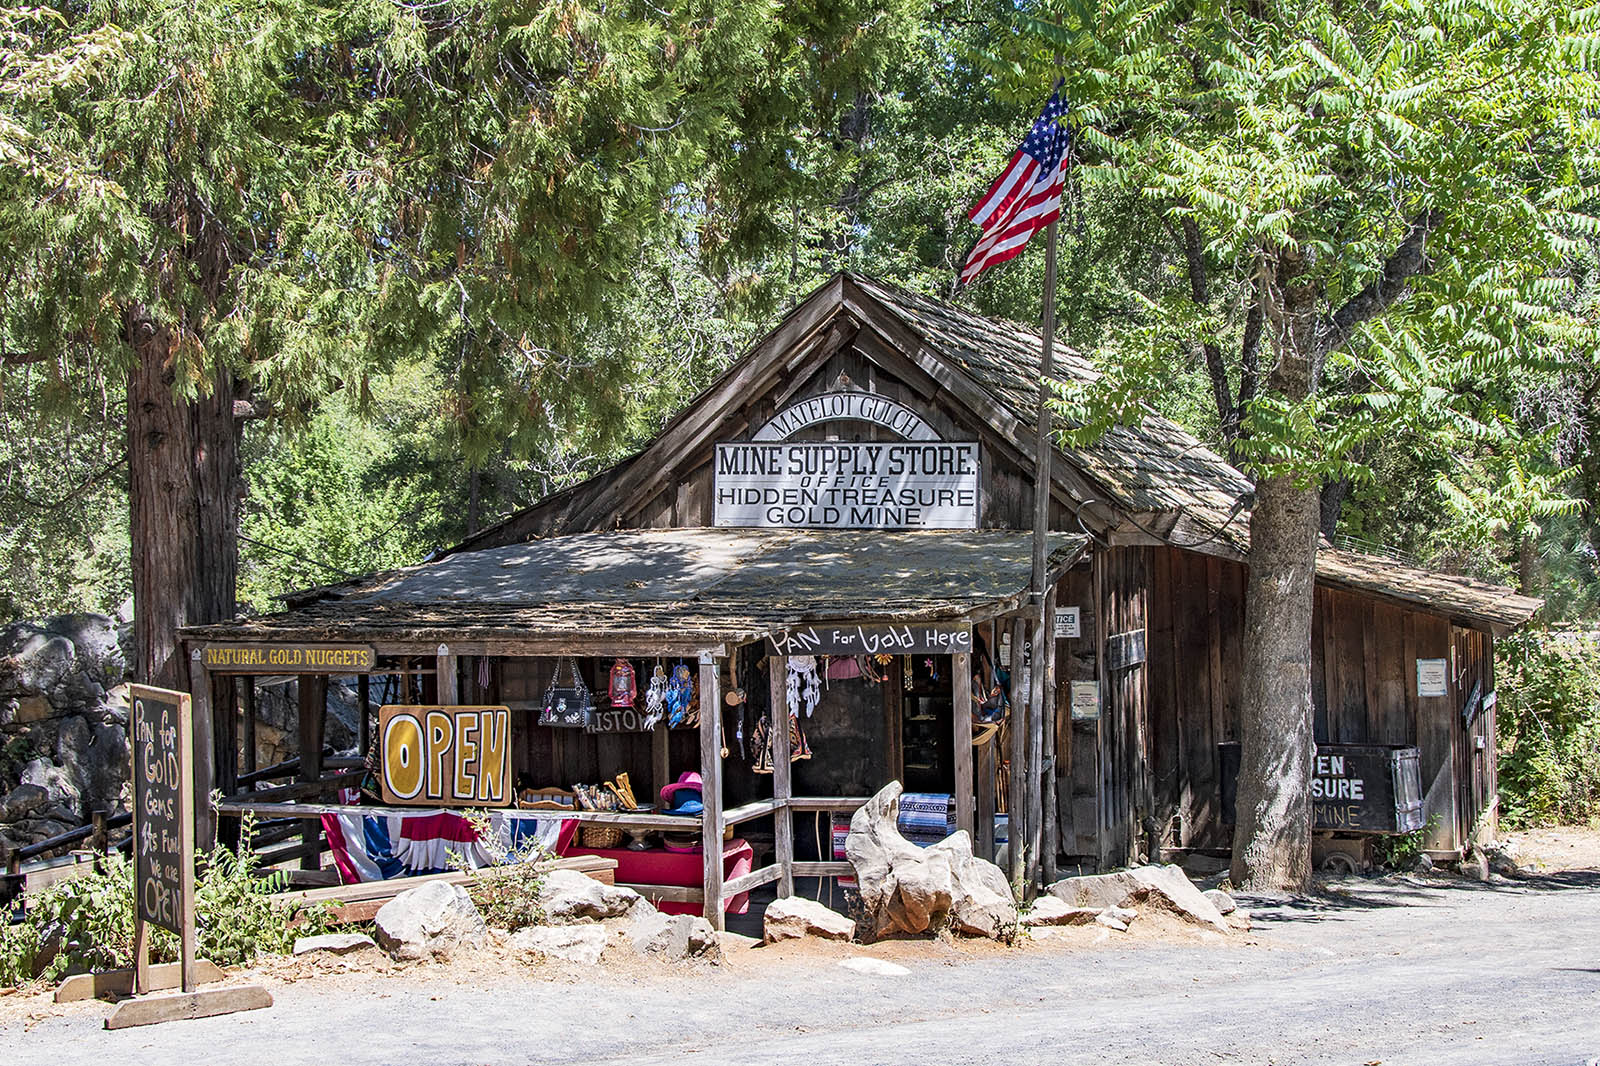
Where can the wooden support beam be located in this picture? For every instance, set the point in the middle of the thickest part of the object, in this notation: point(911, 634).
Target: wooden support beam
point(782, 778)
point(661, 757)
point(364, 699)
point(311, 691)
point(824, 869)
point(203, 752)
point(711, 788)
point(961, 726)
point(753, 879)
point(447, 677)
point(250, 714)
point(894, 709)
point(983, 842)
point(1017, 757)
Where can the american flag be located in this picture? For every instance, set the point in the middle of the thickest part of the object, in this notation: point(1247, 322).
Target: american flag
point(1026, 197)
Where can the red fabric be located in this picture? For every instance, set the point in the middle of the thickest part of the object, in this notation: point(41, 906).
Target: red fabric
point(659, 866)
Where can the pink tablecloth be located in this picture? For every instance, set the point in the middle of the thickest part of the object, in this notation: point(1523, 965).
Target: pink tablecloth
point(657, 866)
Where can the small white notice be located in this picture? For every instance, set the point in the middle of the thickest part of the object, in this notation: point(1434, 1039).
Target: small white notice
point(1067, 622)
point(1431, 679)
point(1085, 701)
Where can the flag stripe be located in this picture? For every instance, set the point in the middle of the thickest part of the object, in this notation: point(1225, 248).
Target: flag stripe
point(1002, 194)
point(1036, 212)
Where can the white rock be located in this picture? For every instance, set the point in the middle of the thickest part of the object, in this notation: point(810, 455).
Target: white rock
point(569, 896)
point(794, 917)
point(875, 967)
point(582, 944)
point(337, 943)
point(431, 919)
point(673, 936)
point(907, 889)
point(1051, 910)
point(1106, 919)
point(1163, 886)
point(1221, 900)
point(1125, 915)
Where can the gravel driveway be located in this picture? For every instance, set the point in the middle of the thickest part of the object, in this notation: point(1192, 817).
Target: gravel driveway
point(1379, 971)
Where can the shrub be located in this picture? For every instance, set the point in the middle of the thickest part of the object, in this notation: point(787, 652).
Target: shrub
point(1549, 723)
point(86, 924)
point(506, 892)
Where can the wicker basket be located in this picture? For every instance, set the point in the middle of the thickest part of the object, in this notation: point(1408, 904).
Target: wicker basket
point(600, 836)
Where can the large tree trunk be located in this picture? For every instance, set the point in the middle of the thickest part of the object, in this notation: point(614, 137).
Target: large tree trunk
point(183, 496)
point(1272, 838)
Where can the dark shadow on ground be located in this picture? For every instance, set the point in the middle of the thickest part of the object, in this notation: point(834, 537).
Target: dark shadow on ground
point(1355, 895)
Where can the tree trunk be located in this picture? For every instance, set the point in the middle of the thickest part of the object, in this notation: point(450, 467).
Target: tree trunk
point(1272, 838)
point(1331, 504)
point(183, 499)
point(1527, 565)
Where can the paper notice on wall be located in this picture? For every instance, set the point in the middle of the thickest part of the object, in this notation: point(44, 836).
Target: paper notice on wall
point(1431, 679)
point(1085, 701)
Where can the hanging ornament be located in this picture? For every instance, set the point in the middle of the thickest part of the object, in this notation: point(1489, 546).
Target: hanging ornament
point(804, 686)
point(655, 698)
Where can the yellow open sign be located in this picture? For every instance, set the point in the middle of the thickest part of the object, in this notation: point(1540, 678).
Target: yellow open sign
point(445, 756)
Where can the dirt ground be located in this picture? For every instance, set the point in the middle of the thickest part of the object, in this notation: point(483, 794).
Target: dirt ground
point(1398, 969)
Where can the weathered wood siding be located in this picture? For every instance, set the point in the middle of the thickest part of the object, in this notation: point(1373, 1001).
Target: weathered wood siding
point(1363, 687)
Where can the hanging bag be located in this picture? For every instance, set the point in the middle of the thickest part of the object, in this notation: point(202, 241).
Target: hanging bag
point(566, 706)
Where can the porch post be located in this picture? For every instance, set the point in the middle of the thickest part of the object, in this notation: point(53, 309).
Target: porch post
point(961, 727)
point(711, 787)
point(782, 780)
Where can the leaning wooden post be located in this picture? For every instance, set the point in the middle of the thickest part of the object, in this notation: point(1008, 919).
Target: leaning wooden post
point(961, 726)
point(364, 699)
point(1050, 844)
point(1016, 795)
point(711, 787)
point(782, 778)
point(249, 684)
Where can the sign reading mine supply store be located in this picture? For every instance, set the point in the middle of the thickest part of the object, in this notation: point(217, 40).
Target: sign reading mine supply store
point(847, 485)
point(163, 801)
point(873, 640)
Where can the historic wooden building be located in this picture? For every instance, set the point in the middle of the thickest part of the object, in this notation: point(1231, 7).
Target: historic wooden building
point(868, 464)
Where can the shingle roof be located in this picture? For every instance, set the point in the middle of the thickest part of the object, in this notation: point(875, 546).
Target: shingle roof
point(722, 584)
point(1153, 466)
point(1464, 597)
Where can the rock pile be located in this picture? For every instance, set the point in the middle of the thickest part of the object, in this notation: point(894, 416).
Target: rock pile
point(63, 725)
point(907, 889)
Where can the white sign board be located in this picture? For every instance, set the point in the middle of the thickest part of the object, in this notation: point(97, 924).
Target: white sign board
point(1085, 701)
point(1067, 622)
point(1431, 677)
point(847, 485)
point(847, 406)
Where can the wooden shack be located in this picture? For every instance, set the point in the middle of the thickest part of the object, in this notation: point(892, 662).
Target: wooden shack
point(867, 468)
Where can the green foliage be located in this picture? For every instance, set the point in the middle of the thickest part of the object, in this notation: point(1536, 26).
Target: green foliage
point(1399, 850)
point(86, 923)
point(1549, 723)
point(506, 892)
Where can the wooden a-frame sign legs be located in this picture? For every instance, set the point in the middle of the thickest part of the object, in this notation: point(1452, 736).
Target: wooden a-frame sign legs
point(163, 867)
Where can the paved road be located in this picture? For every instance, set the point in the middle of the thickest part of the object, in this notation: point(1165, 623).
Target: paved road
point(1395, 973)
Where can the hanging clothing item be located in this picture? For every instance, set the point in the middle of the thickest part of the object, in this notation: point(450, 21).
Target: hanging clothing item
point(761, 744)
point(844, 668)
point(655, 698)
point(804, 686)
point(624, 693)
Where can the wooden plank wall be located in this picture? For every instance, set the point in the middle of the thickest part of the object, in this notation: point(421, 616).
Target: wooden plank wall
point(1077, 743)
point(1472, 663)
point(1126, 788)
point(1196, 620)
point(1363, 686)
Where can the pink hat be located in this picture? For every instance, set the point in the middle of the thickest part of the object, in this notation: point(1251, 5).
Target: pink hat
point(688, 779)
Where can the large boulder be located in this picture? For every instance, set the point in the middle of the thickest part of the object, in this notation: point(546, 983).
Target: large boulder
point(794, 917)
point(582, 944)
point(673, 937)
point(431, 919)
point(907, 889)
point(1165, 887)
point(569, 896)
